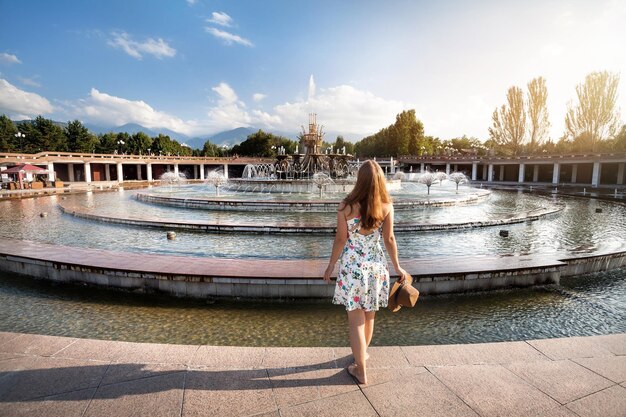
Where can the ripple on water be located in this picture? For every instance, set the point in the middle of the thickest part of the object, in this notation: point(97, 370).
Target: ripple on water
point(587, 305)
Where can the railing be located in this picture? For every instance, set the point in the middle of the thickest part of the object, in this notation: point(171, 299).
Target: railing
point(486, 158)
point(91, 157)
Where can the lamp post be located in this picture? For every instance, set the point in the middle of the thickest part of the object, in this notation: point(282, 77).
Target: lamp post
point(20, 136)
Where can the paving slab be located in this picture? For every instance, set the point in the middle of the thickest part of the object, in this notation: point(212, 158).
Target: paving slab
point(31, 377)
point(150, 397)
point(228, 393)
point(493, 390)
point(33, 344)
point(322, 357)
point(4, 356)
point(103, 350)
point(228, 357)
point(613, 368)
point(380, 357)
point(352, 403)
point(72, 404)
point(563, 380)
point(419, 395)
point(571, 347)
point(483, 353)
point(155, 353)
point(616, 343)
point(123, 372)
point(610, 402)
point(7, 336)
point(292, 386)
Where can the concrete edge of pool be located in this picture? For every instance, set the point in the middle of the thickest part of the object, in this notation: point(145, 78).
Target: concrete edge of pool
point(50, 375)
point(279, 279)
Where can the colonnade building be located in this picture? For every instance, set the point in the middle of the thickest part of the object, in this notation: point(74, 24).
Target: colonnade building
point(595, 170)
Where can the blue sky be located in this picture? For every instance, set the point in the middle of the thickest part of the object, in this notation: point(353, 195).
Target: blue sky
point(200, 67)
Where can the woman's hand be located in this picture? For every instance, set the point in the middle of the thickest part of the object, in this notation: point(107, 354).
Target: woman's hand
point(402, 275)
point(327, 273)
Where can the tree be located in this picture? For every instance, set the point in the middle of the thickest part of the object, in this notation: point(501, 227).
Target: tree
point(538, 123)
point(260, 144)
point(107, 143)
point(45, 135)
point(79, 139)
point(405, 136)
point(595, 117)
point(619, 143)
point(7, 135)
point(211, 149)
point(340, 142)
point(509, 122)
point(139, 143)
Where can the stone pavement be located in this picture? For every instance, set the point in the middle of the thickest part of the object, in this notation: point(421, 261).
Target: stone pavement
point(58, 376)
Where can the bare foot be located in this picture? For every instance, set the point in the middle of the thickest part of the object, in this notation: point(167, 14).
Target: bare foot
point(367, 356)
point(354, 371)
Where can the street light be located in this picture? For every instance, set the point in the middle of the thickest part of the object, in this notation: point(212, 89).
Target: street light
point(19, 136)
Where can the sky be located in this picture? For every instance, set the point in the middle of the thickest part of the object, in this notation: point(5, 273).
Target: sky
point(199, 67)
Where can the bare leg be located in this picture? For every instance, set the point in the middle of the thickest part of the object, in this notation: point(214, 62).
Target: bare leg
point(369, 327)
point(356, 322)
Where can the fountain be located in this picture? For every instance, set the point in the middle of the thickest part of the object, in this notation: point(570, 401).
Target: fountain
point(270, 233)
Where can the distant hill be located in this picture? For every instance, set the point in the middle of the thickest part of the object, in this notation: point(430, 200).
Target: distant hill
point(132, 128)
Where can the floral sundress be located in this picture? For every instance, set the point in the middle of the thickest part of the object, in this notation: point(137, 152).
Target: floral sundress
point(363, 278)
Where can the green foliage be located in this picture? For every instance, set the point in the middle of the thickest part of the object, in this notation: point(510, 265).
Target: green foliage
point(619, 142)
point(211, 149)
point(106, 143)
point(7, 135)
point(263, 144)
point(139, 143)
point(79, 139)
point(405, 136)
point(340, 142)
point(595, 117)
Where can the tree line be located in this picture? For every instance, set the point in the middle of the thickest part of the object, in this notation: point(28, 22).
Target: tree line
point(591, 123)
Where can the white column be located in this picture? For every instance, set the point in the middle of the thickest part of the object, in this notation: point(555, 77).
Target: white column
point(176, 169)
point(50, 171)
point(490, 173)
point(107, 172)
point(595, 176)
point(195, 172)
point(422, 168)
point(226, 171)
point(391, 167)
point(149, 171)
point(139, 172)
point(574, 173)
point(556, 171)
point(474, 171)
point(620, 173)
point(520, 175)
point(120, 172)
point(447, 169)
point(501, 177)
point(201, 171)
point(70, 172)
point(456, 168)
point(535, 173)
point(88, 172)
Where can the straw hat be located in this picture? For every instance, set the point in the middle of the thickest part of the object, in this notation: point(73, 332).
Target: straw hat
point(403, 295)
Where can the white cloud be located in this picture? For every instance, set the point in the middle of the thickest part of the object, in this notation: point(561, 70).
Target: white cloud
point(16, 102)
point(220, 18)
point(341, 109)
point(228, 38)
point(192, 2)
point(258, 97)
point(29, 81)
point(155, 47)
point(9, 59)
point(110, 110)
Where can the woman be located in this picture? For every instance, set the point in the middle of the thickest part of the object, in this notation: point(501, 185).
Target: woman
point(363, 279)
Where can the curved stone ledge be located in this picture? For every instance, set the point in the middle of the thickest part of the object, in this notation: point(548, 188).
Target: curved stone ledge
point(291, 227)
point(277, 279)
point(323, 205)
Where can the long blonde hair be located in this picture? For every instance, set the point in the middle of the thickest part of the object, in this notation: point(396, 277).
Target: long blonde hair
point(370, 192)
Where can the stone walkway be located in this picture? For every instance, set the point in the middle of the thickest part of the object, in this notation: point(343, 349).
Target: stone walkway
point(57, 376)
